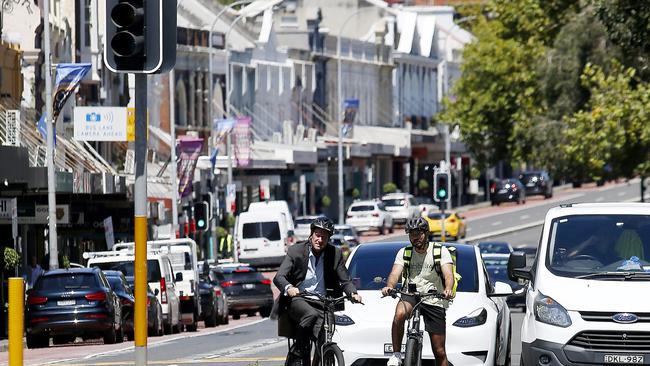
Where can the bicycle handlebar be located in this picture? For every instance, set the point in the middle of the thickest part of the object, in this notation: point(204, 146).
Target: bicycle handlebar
point(327, 299)
point(395, 292)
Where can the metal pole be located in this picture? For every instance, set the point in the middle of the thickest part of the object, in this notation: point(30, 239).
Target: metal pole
point(140, 211)
point(172, 131)
point(51, 173)
point(228, 137)
point(16, 320)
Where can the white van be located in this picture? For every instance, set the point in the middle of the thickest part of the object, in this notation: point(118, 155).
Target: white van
point(261, 238)
point(274, 206)
point(182, 253)
point(160, 277)
point(587, 299)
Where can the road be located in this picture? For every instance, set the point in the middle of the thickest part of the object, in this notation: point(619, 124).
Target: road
point(253, 341)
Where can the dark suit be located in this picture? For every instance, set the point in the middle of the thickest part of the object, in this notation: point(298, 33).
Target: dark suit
point(306, 314)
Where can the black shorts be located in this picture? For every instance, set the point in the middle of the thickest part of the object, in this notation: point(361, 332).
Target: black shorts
point(434, 316)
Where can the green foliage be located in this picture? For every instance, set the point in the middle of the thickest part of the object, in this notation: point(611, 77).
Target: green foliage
point(66, 262)
point(355, 193)
point(423, 185)
point(389, 187)
point(326, 201)
point(12, 258)
point(230, 221)
point(474, 173)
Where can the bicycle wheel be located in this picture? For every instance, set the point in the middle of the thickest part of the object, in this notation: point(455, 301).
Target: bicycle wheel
point(412, 355)
point(332, 356)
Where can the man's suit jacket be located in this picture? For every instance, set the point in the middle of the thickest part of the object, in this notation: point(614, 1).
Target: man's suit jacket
point(294, 269)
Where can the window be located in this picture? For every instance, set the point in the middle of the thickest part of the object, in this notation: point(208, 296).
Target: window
point(67, 281)
point(126, 267)
point(362, 208)
point(87, 22)
point(269, 230)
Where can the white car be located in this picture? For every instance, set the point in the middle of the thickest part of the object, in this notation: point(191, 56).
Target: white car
point(401, 205)
point(303, 226)
point(369, 215)
point(587, 301)
point(478, 320)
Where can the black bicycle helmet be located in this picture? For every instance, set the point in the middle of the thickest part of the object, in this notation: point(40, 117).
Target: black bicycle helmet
point(322, 223)
point(419, 224)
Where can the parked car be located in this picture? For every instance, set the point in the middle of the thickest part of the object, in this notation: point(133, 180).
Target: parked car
point(587, 298)
point(338, 240)
point(495, 247)
point(478, 321)
point(214, 306)
point(369, 215)
point(69, 303)
point(455, 226)
point(497, 268)
point(507, 190)
point(537, 182)
point(401, 205)
point(349, 234)
point(247, 290)
point(303, 226)
point(160, 276)
point(154, 311)
point(121, 287)
point(261, 238)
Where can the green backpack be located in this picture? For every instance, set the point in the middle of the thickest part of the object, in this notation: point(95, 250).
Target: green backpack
point(437, 256)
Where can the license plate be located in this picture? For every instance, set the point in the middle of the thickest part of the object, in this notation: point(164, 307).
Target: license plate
point(388, 348)
point(530, 184)
point(503, 190)
point(623, 359)
point(249, 286)
point(65, 302)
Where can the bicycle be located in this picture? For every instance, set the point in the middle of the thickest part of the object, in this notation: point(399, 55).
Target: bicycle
point(327, 352)
point(413, 352)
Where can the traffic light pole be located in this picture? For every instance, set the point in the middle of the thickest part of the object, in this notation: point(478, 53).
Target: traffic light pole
point(443, 236)
point(140, 211)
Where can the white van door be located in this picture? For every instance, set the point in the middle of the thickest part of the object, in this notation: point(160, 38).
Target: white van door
point(262, 239)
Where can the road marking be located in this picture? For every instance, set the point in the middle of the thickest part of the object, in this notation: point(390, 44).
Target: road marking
point(621, 193)
point(257, 345)
point(496, 223)
point(524, 217)
point(225, 360)
point(599, 199)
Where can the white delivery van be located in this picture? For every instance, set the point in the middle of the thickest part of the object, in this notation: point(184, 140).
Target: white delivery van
point(261, 238)
point(588, 298)
point(182, 254)
point(160, 277)
point(274, 206)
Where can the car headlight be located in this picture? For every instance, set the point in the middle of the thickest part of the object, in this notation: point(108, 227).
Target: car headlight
point(551, 312)
point(343, 320)
point(475, 318)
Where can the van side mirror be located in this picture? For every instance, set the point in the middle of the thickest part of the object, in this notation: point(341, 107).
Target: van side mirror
point(156, 292)
point(517, 267)
point(179, 277)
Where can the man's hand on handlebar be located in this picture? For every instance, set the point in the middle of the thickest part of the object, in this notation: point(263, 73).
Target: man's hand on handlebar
point(386, 291)
point(356, 298)
point(293, 291)
point(447, 294)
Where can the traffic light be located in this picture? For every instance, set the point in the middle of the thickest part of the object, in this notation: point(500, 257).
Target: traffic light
point(140, 36)
point(201, 215)
point(441, 186)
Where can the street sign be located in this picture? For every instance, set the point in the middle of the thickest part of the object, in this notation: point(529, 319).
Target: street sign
point(231, 195)
point(100, 124)
point(303, 185)
point(265, 190)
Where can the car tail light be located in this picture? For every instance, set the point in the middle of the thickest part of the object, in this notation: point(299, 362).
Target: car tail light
point(36, 300)
point(40, 319)
point(128, 302)
point(217, 292)
point(375, 214)
point(242, 270)
point(97, 296)
point(96, 316)
point(184, 298)
point(228, 283)
point(148, 301)
point(266, 281)
point(163, 291)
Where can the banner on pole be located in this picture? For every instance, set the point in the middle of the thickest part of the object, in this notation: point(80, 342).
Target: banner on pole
point(189, 151)
point(68, 77)
point(242, 140)
point(350, 108)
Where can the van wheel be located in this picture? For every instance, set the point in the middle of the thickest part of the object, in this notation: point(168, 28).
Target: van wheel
point(167, 328)
point(110, 337)
point(193, 326)
point(236, 316)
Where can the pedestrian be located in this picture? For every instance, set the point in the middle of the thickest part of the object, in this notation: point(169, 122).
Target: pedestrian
point(35, 271)
point(225, 246)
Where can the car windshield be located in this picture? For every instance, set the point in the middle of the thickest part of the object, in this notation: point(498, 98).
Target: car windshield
point(66, 281)
point(394, 202)
point(600, 246)
point(372, 262)
point(362, 208)
point(529, 177)
point(438, 215)
point(116, 284)
point(421, 200)
point(268, 229)
point(346, 232)
point(237, 276)
point(303, 221)
point(126, 267)
point(498, 248)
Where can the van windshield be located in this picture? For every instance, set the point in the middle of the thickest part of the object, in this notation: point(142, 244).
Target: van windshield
point(394, 202)
point(605, 247)
point(269, 230)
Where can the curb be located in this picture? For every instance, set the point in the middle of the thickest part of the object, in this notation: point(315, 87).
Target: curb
point(484, 204)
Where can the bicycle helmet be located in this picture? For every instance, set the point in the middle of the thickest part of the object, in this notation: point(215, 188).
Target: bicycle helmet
point(418, 224)
point(322, 223)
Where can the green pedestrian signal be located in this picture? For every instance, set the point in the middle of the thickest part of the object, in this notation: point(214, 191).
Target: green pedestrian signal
point(441, 186)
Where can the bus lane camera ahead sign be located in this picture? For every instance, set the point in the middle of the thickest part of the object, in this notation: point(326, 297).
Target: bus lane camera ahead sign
point(100, 124)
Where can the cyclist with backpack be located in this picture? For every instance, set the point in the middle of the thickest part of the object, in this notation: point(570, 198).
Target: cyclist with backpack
point(430, 267)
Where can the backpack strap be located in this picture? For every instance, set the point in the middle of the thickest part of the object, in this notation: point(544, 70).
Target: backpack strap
point(437, 257)
point(406, 257)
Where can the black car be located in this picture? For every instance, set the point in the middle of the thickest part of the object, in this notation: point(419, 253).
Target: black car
point(247, 290)
point(154, 310)
point(121, 287)
point(537, 183)
point(69, 303)
point(497, 268)
point(507, 190)
point(214, 306)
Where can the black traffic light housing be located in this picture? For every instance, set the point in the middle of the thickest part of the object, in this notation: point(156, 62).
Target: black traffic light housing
point(140, 36)
point(202, 216)
point(441, 187)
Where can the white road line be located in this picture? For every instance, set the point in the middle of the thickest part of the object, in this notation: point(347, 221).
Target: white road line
point(524, 217)
point(599, 199)
point(621, 193)
point(496, 223)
